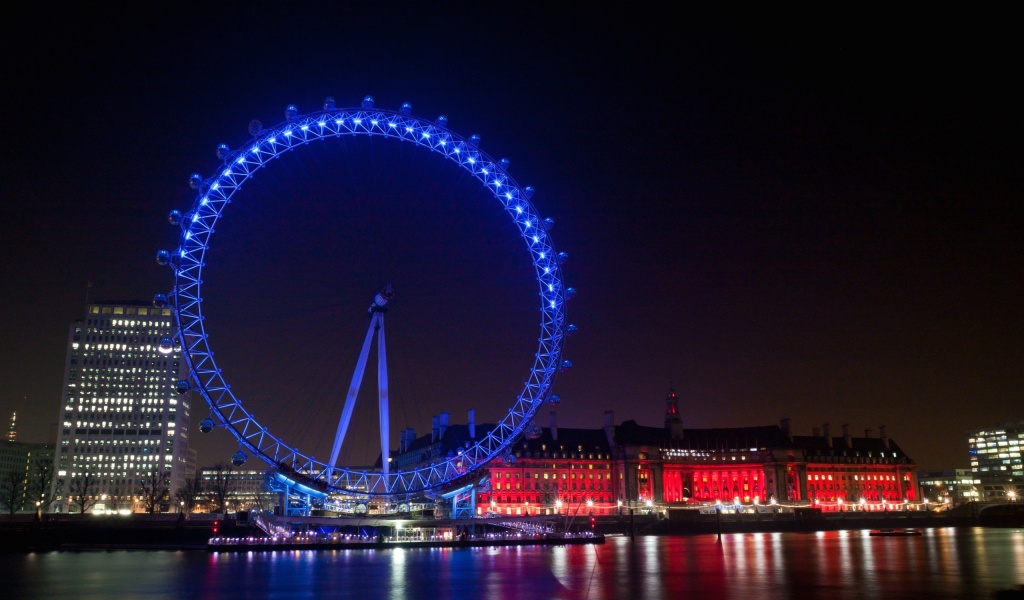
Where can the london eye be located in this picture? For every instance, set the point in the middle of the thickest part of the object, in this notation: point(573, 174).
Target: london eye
point(205, 377)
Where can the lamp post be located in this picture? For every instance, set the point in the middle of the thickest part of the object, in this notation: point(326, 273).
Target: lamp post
point(718, 519)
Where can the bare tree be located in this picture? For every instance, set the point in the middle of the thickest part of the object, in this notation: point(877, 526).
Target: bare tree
point(220, 485)
point(41, 484)
point(188, 494)
point(153, 488)
point(12, 491)
point(82, 491)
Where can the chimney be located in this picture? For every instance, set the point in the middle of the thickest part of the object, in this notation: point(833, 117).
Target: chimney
point(784, 425)
point(673, 419)
point(885, 436)
point(435, 425)
point(827, 432)
point(609, 427)
point(443, 424)
point(554, 426)
point(471, 420)
point(846, 435)
point(815, 432)
point(868, 433)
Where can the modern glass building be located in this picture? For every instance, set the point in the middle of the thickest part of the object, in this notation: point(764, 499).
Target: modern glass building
point(123, 420)
point(996, 461)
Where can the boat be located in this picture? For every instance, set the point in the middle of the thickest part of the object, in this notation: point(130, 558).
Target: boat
point(895, 532)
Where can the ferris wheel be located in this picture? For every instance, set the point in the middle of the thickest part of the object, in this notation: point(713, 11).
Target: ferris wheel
point(227, 410)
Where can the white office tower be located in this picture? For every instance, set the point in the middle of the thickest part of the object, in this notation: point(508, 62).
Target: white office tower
point(124, 415)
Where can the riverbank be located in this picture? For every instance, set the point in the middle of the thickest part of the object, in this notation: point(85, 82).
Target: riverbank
point(26, 533)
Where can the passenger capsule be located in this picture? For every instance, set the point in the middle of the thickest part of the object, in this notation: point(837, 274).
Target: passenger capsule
point(562, 257)
point(223, 151)
point(565, 366)
point(206, 425)
point(554, 399)
point(441, 121)
point(329, 103)
point(509, 459)
point(474, 140)
point(238, 458)
point(182, 386)
point(570, 293)
point(174, 217)
point(163, 258)
point(571, 329)
point(405, 109)
point(291, 112)
point(367, 102)
point(534, 432)
point(504, 163)
point(528, 191)
point(166, 345)
point(255, 127)
point(159, 300)
point(547, 223)
point(195, 181)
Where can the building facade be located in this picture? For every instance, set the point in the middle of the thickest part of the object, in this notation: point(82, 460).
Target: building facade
point(604, 471)
point(124, 416)
point(26, 476)
point(951, 487)
point(996, 461)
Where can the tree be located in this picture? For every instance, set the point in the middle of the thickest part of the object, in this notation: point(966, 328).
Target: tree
point(220, 485)
point(153, 488)
point(188, 494)
point(41, 484)
point(82, 492)
point(12, 491)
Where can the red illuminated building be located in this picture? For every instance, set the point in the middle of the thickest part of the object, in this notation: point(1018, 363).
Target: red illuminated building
point(556, 470)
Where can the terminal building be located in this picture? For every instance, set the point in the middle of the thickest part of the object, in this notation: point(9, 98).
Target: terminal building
point(621, 466)
point(124, 418)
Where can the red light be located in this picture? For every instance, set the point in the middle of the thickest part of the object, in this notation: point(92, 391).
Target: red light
point(216, 526)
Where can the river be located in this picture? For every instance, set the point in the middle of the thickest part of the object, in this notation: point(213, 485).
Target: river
point(942, 563)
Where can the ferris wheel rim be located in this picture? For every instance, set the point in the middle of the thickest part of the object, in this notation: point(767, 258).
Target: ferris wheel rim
point(266, 145)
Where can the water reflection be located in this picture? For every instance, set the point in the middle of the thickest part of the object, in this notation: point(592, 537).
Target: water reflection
point(943, 563)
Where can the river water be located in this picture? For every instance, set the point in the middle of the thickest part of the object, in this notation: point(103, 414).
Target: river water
point(942, 563)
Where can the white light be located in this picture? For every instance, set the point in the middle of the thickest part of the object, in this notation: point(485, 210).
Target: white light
point(288, 133)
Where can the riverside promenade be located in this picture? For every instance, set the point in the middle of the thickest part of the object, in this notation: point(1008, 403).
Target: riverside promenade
point(26, 533)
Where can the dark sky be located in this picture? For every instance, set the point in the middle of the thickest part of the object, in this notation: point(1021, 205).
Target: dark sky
point(804, 215)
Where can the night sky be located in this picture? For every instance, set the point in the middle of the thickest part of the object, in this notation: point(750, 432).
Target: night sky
point(810, 215)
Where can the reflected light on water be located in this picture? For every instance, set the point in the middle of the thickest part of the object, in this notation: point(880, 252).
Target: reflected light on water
point(944, 563)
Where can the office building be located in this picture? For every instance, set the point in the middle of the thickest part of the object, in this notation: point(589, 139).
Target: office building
point(996, 461)
point(123, 420)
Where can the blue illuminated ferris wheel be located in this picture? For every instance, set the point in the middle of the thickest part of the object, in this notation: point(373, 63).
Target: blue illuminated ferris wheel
point(196, 225)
